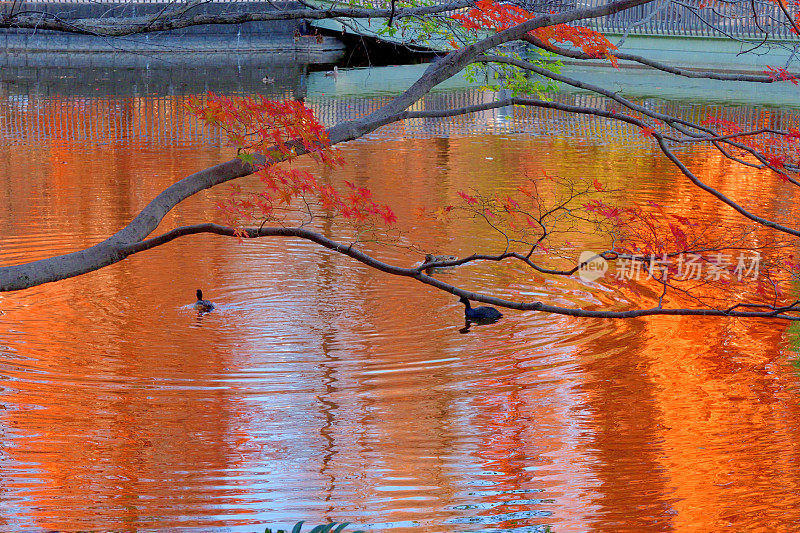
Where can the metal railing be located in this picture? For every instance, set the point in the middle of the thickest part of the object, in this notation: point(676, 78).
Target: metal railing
point(740, 19)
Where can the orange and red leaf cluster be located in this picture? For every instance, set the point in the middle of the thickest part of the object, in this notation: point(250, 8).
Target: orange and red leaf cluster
point(646, 229)
point(467, 198)
point(254, 123)
point(590, 42)
point(280, 131)
point(776, 150)
point(780, 74)
point(725, 126)
point(491, 15)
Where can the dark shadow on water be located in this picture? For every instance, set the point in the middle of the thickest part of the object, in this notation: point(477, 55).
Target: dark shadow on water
point(468, 323)
point(49, 75)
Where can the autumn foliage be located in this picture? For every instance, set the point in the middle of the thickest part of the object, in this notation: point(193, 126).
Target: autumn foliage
point(270, 135)
point(781, 74)
point(779, 151)
point(490, 15)
point(495, 16)
point(587, 40)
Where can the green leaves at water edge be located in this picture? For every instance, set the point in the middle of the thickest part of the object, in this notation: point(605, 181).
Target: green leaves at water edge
point(498, 76)
point(326, 528)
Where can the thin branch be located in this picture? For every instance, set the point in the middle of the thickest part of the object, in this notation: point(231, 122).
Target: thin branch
point(419, 275)
point(724, 199)
point(685, 72)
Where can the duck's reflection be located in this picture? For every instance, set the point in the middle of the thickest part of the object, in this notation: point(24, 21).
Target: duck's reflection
point(468, 322)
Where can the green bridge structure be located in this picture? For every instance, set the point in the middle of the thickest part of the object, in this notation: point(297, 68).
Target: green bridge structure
point(736, 36)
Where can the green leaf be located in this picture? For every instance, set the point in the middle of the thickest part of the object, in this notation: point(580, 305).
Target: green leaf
point(298, 526)
point(246, 157)
point(386, 30)
point(341, 527)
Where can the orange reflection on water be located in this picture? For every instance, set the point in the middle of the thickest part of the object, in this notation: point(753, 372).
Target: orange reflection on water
point(322, 390)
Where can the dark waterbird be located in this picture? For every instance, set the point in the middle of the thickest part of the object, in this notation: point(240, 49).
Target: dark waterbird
point(204, 306)
point(480, 314)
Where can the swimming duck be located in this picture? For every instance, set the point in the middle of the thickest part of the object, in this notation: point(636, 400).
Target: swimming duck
point(430, 258)
point(480, 313)
point(204, 306)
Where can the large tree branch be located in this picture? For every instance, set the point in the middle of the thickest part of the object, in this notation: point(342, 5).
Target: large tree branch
point(113, 249)
point(128, 240)
point(418, 274)
point(457, 60)
point(133, 238)
point(174, 20)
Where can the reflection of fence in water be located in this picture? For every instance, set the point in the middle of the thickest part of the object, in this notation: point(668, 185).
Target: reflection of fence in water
point(164, 121)
point(156, 120)
point(545, 122)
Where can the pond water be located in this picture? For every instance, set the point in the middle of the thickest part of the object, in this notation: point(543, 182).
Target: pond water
point(322, 390)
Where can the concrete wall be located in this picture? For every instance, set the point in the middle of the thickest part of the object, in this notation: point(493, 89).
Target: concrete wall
point(709, 53)
point(276, 36)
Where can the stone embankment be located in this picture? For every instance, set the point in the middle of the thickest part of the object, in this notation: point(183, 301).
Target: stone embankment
point(284, 38)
